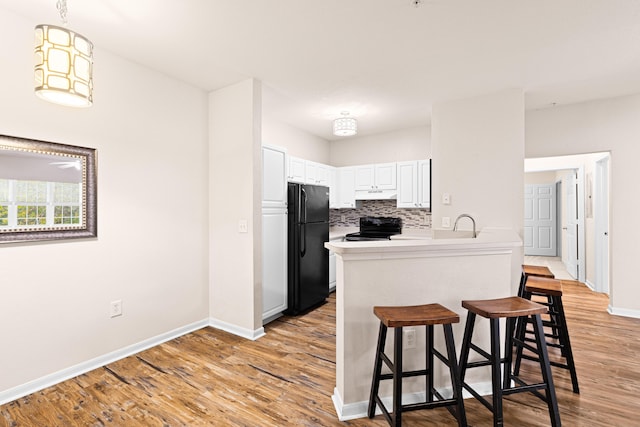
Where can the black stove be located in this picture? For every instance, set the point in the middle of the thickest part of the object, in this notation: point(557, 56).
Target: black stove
point(376, 228)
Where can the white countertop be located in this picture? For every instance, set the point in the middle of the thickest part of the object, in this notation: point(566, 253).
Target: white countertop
point(419, 241)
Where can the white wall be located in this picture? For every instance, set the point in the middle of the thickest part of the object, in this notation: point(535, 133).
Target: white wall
point(298, 143)
point(540, 178)
point(151, 135)
point(235, 176)
point(605, 125)
point(405, 144)
point(478, 158)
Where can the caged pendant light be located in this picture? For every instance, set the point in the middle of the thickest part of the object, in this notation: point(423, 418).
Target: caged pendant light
point(345, 126)
point(64, 64)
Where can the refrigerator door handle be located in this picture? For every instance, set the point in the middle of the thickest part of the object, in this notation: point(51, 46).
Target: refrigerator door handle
point(303, 209)
point(302, 212)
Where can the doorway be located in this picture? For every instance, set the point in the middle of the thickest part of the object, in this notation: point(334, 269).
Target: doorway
point(601, 212)
point(582, 215)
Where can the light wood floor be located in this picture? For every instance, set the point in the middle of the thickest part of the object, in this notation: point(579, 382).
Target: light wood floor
point(210, 377)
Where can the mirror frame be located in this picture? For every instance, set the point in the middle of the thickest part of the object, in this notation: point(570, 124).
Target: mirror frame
point(88, 156)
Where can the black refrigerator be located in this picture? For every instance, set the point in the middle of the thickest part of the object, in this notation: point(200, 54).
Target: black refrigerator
point(308, 227)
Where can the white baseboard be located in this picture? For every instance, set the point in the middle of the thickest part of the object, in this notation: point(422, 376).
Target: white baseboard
point(38, 384)
point(355, 410)
point(625, 312)
point(236, 330)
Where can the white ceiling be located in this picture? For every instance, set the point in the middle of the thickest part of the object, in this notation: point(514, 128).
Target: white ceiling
point(385, 61)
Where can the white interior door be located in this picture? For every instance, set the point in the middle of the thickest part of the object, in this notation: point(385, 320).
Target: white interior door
point(601, 212)
point(570, 255)
point(540, 220)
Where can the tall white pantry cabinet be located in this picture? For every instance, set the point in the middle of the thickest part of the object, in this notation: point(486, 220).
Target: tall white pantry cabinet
point(274, 232)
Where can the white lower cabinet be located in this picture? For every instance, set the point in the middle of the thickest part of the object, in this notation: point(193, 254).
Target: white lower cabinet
point(274, 262)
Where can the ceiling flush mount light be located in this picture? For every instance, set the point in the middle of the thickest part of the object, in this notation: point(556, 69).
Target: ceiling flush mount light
point(345, 126)
point(64, 64)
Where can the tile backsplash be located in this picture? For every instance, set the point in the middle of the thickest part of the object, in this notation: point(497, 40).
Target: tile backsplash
point(411, 218)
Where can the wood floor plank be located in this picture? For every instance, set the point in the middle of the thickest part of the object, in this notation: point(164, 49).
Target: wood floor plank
point(213, 378)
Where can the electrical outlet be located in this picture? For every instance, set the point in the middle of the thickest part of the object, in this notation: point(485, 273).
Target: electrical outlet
point(409, 338)
point(243, 226)
point(116, 308)
point(446, 222)
point(343, 218)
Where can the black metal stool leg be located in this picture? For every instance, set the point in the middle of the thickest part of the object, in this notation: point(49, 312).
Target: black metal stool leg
point(466, 345)
point(498, 419)
point(523, 280)
point(508, 350)
point(541, 343)
point(454, 371)
point(397, 377)
point(566, 342)
point(429, 363)
point(521, 328)
point(377, 370)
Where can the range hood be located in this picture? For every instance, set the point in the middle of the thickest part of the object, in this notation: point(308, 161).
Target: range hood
point(376, 195)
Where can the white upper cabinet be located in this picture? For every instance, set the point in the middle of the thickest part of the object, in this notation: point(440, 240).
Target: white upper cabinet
point(347, 187)
point(296, 170)
point(380, 176)
point(424, 183)
point(316, 173)
point(414, 184)
point(274, 183)
point(333, 188)
point(407, 184)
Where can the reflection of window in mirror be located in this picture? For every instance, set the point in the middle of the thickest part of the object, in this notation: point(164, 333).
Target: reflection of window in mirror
point(4, 202)
point(39, 203)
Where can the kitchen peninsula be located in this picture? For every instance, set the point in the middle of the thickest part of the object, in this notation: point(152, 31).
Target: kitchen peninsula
point(412, 271)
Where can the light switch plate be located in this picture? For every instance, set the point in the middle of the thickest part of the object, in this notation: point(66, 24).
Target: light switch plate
point(446, 198)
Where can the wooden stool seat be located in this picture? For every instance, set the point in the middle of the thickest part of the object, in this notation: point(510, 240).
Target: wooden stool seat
point(427, 315)
point(543, 285)
point(503, 380)
point(504, 307)
point(415, 315)
point(537, 270)
point(533, 271)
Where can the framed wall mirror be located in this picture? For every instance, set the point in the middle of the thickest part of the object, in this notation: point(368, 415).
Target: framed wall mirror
point(48, 191)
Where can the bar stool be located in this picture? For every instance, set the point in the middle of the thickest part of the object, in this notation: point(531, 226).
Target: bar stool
point(420, 315)
point(552, 290)
point(533, 270)
point(510, 308)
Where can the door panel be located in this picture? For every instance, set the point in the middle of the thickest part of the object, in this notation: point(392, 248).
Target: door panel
point(571, 226)
point(540, 220)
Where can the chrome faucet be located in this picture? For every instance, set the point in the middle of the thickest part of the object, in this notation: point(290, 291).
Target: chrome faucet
point(455, 225)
